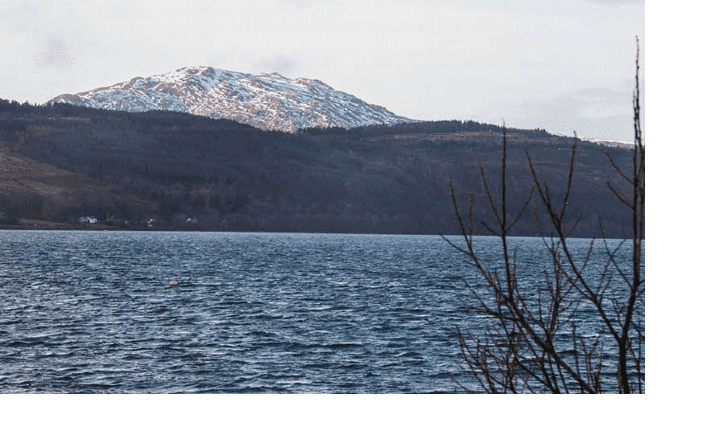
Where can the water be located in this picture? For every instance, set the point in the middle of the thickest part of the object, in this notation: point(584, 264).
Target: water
point(253, 312)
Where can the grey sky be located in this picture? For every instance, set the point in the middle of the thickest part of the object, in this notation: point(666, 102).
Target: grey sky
point(561, 65)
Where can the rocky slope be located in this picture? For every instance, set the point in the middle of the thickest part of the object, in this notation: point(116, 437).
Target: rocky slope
point(267, 101)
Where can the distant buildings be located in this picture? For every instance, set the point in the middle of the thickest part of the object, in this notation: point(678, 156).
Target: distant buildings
point(88, 219)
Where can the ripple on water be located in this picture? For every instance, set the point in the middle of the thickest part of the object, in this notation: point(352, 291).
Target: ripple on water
point(92, 312)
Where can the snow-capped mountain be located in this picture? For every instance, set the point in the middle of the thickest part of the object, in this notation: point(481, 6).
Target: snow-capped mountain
point(602, 141)
point(266, 101)
point(611, 143)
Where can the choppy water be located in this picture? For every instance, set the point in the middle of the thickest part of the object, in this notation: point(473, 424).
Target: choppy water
point(260, 313)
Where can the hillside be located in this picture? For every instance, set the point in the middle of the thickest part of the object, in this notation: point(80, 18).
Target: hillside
point(215, 174)
point(266, 101)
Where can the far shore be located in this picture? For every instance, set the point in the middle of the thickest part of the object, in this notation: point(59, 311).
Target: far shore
point(34, 224)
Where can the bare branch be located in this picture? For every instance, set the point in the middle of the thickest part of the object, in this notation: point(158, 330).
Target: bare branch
point(526, 344)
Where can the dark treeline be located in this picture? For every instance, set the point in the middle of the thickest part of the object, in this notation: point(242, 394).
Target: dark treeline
point(190, 172)
point(405, 128)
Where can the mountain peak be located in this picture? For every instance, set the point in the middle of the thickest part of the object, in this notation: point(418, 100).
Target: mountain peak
point(265, 100)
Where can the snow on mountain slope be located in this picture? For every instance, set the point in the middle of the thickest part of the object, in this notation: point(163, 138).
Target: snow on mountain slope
point(267, 101)
point(611, 143)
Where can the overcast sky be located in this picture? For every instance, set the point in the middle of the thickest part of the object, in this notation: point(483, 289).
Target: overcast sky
point(560, 65)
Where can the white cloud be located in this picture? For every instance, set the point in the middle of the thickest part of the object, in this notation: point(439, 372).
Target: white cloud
point(278, 63)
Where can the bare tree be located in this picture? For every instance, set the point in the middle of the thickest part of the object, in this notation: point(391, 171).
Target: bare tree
point(577, 326)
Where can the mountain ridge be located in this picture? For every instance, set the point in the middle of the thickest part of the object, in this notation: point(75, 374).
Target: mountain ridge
point(269, 101)
point(188, 172)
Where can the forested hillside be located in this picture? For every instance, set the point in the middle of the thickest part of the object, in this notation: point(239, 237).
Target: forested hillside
point(187, 172)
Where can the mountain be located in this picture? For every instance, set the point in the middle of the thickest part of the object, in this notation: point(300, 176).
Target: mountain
point(188, 172)
point(266, 101)
point(611, 143)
